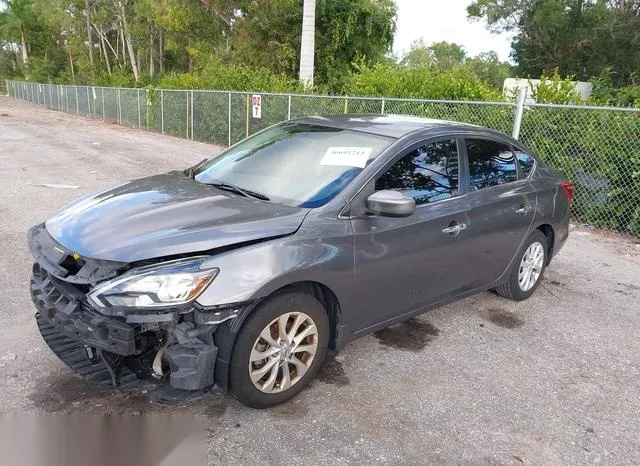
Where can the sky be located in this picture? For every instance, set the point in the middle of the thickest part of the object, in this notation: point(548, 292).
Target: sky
point(445, 20)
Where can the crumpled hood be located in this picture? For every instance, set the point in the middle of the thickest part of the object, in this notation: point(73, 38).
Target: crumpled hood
point(164, 215)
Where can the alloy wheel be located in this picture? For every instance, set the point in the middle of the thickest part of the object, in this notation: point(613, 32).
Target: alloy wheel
point(283, 352)
point(531, 266)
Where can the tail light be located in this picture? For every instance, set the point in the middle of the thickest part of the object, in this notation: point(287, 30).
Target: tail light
point(568, 190)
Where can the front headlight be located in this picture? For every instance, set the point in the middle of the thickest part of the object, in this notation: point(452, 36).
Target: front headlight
point(159, 285)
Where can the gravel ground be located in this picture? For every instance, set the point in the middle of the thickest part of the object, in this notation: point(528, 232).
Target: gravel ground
point(553, 380)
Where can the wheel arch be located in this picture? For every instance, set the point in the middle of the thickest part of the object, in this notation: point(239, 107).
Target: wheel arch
point(550, 234)
point(229, 331)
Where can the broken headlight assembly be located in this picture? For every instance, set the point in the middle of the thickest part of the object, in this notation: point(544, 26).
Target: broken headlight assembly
point(161, 285)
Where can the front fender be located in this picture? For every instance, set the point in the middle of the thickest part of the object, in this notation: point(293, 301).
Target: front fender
point(256, 271)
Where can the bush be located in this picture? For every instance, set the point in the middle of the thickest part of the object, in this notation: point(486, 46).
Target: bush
point(388, 80)
point(216, 75)
point(553, 89)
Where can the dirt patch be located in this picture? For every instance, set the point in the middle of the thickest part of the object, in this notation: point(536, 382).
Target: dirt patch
point(410, 335)
point(216, 407)
point(70, 393)
point(62, 392)
point(503, 318)
point(291, 410)
point(332, 372)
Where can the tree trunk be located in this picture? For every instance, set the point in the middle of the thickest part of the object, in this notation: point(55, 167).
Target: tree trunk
point(151, 64)
point(89, 38)
point(126, 36)
point(161, 51)
point(307, 44)
point(25, 50)
point(73, 73)
point(106, 54)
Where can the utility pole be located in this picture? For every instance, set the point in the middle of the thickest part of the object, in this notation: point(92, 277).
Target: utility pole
point(307, 45)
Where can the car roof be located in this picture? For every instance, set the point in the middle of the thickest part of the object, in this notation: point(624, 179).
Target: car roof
point(395, 126)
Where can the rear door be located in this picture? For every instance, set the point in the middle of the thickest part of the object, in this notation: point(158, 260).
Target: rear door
point(502, 206)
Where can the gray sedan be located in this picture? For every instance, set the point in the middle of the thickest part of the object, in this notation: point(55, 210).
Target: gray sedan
point(242, 271)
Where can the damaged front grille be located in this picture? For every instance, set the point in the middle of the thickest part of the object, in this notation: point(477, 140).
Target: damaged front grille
point(63, 306)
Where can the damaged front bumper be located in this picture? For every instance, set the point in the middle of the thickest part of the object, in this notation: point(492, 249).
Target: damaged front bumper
point(172, 353)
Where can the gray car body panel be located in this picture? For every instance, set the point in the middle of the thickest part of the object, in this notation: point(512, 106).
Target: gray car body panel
point(166, 215)
point(380, 269)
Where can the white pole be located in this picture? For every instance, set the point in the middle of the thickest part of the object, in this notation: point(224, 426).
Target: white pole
point(307, 44)
point(517, 122)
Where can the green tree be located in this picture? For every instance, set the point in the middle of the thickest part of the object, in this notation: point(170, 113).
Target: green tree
point(268, 34)
point(14, 23)
point(443, 55)
point(577, 37)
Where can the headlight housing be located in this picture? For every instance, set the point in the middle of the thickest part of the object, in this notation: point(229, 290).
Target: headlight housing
point(160, 285)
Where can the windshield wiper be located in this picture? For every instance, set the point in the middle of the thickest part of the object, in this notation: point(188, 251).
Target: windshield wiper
point(238, 190)
point(191, 171)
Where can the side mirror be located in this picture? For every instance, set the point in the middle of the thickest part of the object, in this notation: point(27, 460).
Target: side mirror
point(389, 203)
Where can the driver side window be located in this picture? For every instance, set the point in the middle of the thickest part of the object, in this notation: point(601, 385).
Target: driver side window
point(428, 173)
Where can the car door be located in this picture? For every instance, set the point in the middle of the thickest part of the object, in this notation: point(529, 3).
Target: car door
point(402, 264)
point(502, 206)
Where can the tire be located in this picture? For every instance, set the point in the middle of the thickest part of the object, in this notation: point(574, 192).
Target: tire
point(295, 309)
point(512, 288)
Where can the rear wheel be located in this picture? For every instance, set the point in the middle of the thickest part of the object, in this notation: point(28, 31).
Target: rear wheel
point(279, 349)
point(527, 270)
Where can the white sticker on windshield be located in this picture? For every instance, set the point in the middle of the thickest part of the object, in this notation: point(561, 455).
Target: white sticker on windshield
point(346, 156)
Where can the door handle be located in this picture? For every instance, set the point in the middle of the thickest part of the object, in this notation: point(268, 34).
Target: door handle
point(457, 228)
point(524, 210)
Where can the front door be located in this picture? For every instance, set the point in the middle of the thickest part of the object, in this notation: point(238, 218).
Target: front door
point(403, 264)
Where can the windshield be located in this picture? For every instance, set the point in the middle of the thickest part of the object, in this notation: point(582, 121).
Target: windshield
point(295, 164)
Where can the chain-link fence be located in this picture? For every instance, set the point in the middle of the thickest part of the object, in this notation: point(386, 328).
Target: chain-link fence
point(597, 147)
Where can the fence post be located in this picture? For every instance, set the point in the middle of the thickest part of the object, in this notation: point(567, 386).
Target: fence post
point(162, 111)
point(192, 115)
point(75, 87)
point(119, 108)
point(289, 108)
point(346, 105)
point(517, 121)
point(187, 116)
point(88, 102)
point(382, 107)
point(50, 96)
point(66, 97)
point(103, 117)
point(229, 121)
point(139, 120)
point(247, 117)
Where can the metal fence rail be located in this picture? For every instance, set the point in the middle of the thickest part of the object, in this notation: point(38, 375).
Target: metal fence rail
point(597, 147)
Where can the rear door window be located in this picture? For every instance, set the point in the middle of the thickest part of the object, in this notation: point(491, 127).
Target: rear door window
point(428, 173)
point(526, 163)
point(491, 163)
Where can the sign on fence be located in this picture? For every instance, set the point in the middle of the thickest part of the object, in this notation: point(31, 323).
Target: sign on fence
point(257, 106)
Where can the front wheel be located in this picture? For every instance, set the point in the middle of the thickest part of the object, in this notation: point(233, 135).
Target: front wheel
point(527, 270)
point(279, 349)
